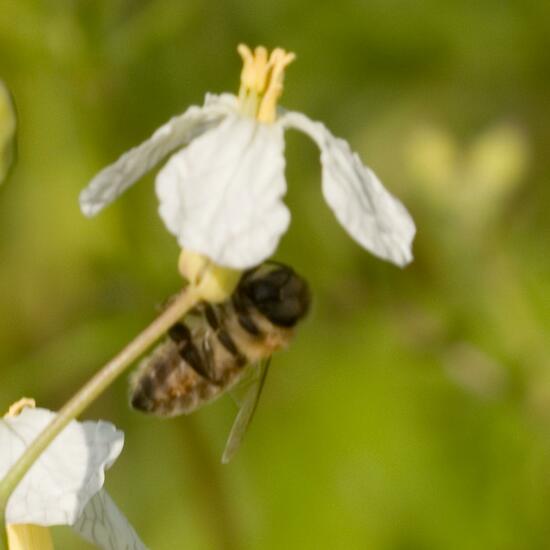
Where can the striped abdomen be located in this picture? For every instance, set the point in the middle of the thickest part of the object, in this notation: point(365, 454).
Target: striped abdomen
point(202, 357)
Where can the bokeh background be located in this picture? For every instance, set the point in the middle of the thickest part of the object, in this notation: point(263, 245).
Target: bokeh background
point(412, 411)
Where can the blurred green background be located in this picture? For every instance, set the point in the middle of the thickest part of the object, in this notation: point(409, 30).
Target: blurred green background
point(413, 410)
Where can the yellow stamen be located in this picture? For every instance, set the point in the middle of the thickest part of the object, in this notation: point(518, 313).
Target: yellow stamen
point(262, 81)
point(18, 406)
point(27, 536)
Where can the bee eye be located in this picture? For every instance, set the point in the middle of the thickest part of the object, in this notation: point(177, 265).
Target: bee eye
point(280, 295)
point(266, 287)
point(263, 291)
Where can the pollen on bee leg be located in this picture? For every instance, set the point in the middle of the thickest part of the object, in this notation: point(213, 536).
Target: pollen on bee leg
point(213, 283)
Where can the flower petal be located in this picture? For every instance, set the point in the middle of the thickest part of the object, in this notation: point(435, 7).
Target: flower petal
point(221, 196)
point(113, 180)
point(104, 525)
point(71, 470)
point(368, 212)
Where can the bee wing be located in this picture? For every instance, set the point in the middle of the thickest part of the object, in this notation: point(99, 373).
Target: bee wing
point(239, 392)
point(248, 406)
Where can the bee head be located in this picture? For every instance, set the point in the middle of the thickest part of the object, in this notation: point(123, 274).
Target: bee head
point(277, 292)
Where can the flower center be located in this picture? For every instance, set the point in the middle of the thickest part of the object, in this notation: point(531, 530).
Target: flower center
point(262, 81)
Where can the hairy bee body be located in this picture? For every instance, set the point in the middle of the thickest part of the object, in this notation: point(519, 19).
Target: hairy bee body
point(206, 353)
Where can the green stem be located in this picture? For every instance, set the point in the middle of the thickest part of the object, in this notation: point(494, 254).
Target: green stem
point(213, 507)
point(94, 388)
point(3, 532)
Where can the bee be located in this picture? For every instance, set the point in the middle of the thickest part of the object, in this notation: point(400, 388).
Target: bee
point(217, 347)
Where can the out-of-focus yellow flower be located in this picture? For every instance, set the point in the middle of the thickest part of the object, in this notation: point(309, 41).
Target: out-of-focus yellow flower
point(499, 158)
point(432, 154)
point(475, 180)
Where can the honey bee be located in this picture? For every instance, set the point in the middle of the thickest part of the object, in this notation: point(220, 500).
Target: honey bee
point(217, 347)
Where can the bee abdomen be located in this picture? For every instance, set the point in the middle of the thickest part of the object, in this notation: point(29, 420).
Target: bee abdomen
point(142, 398)
point(183, 373)
point(166, 385)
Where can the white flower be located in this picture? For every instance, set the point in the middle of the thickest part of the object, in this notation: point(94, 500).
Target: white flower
point(63, 487)
point(221, 196)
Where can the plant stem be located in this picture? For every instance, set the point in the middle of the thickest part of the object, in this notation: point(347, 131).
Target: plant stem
point(95, 387)
point(212, 505)
point(3, 533)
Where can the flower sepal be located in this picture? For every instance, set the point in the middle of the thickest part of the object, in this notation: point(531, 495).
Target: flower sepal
point(212, 283)
point(29, 537)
